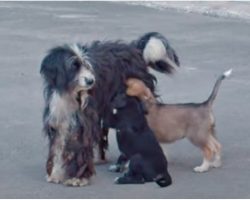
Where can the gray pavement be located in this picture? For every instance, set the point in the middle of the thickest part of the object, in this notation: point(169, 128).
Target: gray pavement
point(206, 46)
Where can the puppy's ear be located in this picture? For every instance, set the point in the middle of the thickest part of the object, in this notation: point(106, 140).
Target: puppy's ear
point(119, 101)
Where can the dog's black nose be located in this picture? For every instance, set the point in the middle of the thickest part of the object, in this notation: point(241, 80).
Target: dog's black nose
point(89, 81)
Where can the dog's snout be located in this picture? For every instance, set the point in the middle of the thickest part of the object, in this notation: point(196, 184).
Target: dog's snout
point(89, 81)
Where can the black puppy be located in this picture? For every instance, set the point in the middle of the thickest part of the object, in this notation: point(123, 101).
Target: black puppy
point(137, 143)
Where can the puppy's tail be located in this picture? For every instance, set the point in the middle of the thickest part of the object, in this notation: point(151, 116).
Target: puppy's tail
point(157, 52)
point(214, 93)
point(164, 180)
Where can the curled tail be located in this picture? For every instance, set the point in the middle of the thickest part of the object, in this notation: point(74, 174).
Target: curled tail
point(157, 52)
point(214, 93)
point(164, 181)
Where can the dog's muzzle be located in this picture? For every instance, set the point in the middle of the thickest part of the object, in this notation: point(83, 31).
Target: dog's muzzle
point(87, 82)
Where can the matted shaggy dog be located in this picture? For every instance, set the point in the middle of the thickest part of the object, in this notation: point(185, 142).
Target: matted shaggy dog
point(79, 83)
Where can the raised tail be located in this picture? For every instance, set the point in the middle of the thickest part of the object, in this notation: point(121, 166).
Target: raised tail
point(157, 52)
point(214, 93)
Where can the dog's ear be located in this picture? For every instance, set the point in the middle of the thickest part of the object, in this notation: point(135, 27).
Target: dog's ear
point(52, 69)
point(119, 101)
point(48, 71)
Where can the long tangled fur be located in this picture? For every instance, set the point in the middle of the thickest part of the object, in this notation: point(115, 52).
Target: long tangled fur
point(68, 115)
point(115, 62)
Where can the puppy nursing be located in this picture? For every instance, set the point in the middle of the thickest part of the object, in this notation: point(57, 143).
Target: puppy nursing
point(137, 144)
point(171, 122)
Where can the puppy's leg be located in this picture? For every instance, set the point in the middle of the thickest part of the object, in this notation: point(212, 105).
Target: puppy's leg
point(208, 155)
point(135, 172)
point(217, 158)
point(120, 164)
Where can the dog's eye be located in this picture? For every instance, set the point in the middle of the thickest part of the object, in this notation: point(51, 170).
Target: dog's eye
point(76, 65)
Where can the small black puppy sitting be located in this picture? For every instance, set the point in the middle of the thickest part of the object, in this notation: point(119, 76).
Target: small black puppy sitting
point(137, 143)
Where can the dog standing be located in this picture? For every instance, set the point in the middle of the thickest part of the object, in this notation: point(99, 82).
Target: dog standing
point(171, 122)
point(116, 61)
point(68, 116)
point(137, 143)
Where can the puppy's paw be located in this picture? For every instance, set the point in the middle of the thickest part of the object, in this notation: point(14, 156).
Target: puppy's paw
point(128, 180)
point(201, 169)
point(116, 180)
point(114, 168)
point(216, 164)
point(76, 182)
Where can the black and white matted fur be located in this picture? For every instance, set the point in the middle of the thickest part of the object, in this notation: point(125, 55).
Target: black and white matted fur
point(115, 62)
point(157, 52)
point(98, 71)
point(67, 76)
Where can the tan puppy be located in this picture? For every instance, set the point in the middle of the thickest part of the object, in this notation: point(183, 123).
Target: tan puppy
point(171, 122)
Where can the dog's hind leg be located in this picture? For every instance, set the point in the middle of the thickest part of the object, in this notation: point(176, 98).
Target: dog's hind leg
point(217, 157)
point(207, 157)
point(103, 146)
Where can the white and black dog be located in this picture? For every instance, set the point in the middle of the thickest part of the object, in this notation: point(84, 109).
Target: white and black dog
point(115, 62)
point(80, 81)
point(67, 73)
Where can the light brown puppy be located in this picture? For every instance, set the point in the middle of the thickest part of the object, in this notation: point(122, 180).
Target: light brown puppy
point(171, 122)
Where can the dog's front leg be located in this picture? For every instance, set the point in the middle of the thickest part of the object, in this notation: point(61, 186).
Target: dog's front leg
point(136, 170)
point(120, 165)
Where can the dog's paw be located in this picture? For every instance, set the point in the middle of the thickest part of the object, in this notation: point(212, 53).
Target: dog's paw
point(128, 180)
point(76, 182)
point(114, 168)
point(116, 181)
point(51, 179)
point(216, 164)
point(201, 169)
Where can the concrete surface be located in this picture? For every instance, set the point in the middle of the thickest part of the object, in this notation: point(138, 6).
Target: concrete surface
point(206, 46)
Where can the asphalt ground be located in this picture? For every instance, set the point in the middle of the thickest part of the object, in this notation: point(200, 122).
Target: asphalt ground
point(206, 45)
